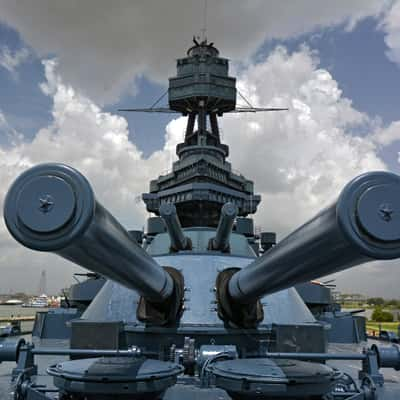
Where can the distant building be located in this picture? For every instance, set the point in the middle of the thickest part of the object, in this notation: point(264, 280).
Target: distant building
point(351, 298)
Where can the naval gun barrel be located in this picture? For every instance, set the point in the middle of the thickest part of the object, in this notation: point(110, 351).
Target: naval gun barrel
point(361, 226)
point(220, 242)
point(178, 239)
point(52, 208)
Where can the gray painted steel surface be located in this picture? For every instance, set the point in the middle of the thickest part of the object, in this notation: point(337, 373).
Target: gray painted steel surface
point(51, 207)
point(178, 240)
point(202, 181)
point(9, 348)
point(266, 378)
point(342, 326)
point(82, 293)
point(200, 239)
point(54, 323)
point(115, 302)
point(229, 212)
point(361, 226)
point(126, 376)
point(315, 294)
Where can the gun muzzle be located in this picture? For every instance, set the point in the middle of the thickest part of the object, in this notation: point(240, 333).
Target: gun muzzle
point(178, 239)
point(363, 225)
point(51, 207)
point(220, 242)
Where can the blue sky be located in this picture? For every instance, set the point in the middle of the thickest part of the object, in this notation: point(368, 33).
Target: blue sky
point(26, 107)
point(336, 66)
point(356, 59)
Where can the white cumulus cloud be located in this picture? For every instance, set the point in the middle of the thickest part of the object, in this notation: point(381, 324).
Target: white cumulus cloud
point(302, 158)
point(97, 144)
point(103, 45)
point(391, 26)
point(299, 159)
point(388, 135)
point(8, 135)
point(12, 60)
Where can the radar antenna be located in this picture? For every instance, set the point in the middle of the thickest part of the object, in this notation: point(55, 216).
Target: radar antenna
point(204, 30)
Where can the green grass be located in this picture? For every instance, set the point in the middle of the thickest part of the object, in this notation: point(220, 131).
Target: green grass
point(385, 326)
point(354, 305)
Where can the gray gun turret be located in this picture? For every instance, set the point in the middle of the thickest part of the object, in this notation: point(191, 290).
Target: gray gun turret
point(178, 239)
point(52, 207)
point(361, 226)
point(220, 242)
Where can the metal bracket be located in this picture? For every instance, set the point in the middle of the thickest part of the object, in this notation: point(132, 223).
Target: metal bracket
point(25, 363)
point(370, 368)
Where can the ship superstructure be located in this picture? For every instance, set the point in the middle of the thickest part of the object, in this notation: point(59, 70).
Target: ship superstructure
point(202, 181)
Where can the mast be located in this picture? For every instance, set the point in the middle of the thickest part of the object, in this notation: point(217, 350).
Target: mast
point(202, 181)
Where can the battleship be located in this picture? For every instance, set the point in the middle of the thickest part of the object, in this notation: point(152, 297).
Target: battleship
point(199, 306)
